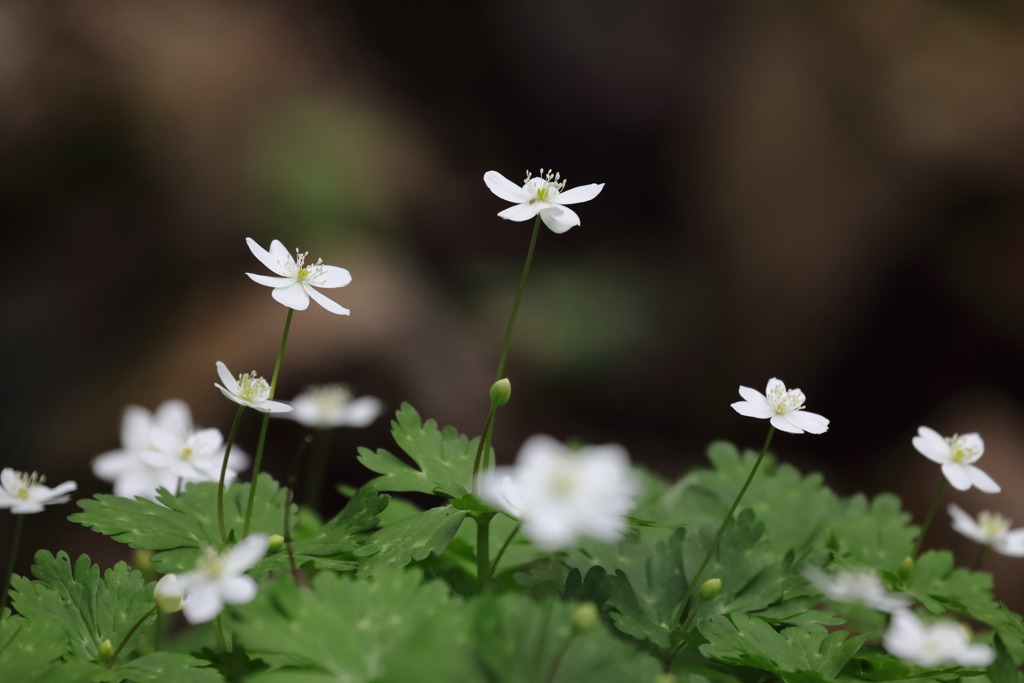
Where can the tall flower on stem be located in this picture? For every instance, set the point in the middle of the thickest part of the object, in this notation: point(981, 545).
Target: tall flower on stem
point(295, 282)
point(991, 530)
point(26, 494)
point(784, 409)
point(957, 455)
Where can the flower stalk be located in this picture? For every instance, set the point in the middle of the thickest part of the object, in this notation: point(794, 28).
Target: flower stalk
point(506, 342)
point(19, 522)
point(928, 519)
point(223, 474)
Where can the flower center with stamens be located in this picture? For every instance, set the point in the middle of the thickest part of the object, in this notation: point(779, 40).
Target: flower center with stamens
point(545, 187)
point(26, 482)
point(785, 401)
point(961, 452)
point(304, 273)
point(210, 563)
point(252, 387)
point(993, 524)
point(330, 397)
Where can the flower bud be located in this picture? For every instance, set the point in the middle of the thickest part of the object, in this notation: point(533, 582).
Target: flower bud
point(710, 589)
point(169, 593)
point(275, 542)
point(665, 678)
point(105, 651)
point(584, 618)
point(906, 568)
point(501, 392)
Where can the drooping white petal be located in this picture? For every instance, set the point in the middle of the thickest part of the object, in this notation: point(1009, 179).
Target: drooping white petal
point(809, 422)
point(583, 193)
point(518, 213)
point(362, 411)
point(1012, 544)
point(271, 407)
point(293, 296)
point(505, 188)
point(328, 304)
point(202, 603)
point(965, 524)
point(761, 411)
point(270, 280)
point(782, 423)
point(957, 476)
point(981, 480)
point(264, 257)
point(931, 445)
point(559, 219)
point(238, 590)
point(333, 276)
point(230, 383)
point(244, 555)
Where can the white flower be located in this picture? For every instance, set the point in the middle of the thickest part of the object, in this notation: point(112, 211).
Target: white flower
point(249, 390)
point(862, 586)
point(297, 281)
point(558, 495)
point(218, 579)
point(784, 409)
point(333, 405)
point(990, 529)
point(541, 195)
point(957, 455)
point(160, 449)
point(25, 493)
point(942, 643)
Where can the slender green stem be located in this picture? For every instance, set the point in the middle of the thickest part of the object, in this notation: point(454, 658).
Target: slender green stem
point(263, 426)
point(124, 641)
point(483, 548)
point(557, 661)
point(315, 472)
point(224, 472)
point(223, 636)
point(19, 522)
point(979, 557)
point(542, 639)
point(480, 461)
point(501, 552)
point(928, 519)
point(695, 581)
point(515, 304)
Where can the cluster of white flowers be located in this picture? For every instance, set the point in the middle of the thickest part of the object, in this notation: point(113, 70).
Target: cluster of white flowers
point(942, 643)
point(218, 579)
point(25, 494)
point(161, 450)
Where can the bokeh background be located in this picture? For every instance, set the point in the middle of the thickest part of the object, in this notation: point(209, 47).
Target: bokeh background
point(830, 193)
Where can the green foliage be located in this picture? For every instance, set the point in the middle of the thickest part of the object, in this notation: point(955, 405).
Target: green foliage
point(409, 539)
point(30, 649)
point(443, 459)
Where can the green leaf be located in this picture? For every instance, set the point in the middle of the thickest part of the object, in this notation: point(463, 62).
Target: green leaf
point(89, 609)
point(388, 627)
point(410, 539)
point(159, 667)
point(178, 527)
point(30, 649)
point(443, 459)
point(873, 534)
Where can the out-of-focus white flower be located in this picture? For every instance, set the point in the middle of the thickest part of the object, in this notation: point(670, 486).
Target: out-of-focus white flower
point(942, 643)
point(296, 281)
point(559, 495)
point(25, 494)
point(783, 408)
point(957, 455)
point(249, 390)
point(541, 195)
point(218, 579)
point(160, 449)
point(862, 586)
point(991, 529)
point(333, 405)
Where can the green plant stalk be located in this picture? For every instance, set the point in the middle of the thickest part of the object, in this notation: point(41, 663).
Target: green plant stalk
point(263, 425)
point(124, 641)
point(317, 468)
point(483, 548)
point(223, 637)
point(18, 524)
point(515, 304)
point(557, 661)
point(501, 552)
point(483, 445)
point(928, 519)
point(721, 529)
point(979, 558)
point(223, 474)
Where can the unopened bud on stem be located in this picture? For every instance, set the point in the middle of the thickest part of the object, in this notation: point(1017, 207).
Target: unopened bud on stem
point(501, 391)
point(710, 589)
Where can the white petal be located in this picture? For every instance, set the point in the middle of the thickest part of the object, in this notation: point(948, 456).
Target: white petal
point(559, 219)
point(976, 655)
point(283, 260)
point(26, 507)
point(293, 296)
point(332, 276)
point(519, 212)
point(233, 396)
point(505, 188)
point(775, 383)
point(957, 476)
point(931, 445)
point(202, 604)
point(362, 411)
point(761, 411)
point(809, 422)
point(238, 590)
point(271, 280)
point(230, 383)
point(173, 415)
point(330, 305)
point(984, 482)
point(782, 423)
point(271, 407)
point(965, 524)
point(264, 257)
point(972, 441)
point(135, 427)
point(753, 395)
point(583, 193)
point(61, 489)
point(1012, 544)
point(107, 466)
point(246, 553)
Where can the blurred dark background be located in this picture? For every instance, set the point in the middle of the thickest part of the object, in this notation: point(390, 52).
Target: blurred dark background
point(830, 193)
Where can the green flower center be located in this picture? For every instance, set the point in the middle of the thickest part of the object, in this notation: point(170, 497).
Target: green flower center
point(252, 387)
point(960, 452)
point(545, 187)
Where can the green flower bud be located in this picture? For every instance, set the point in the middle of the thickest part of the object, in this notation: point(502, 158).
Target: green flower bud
point(169, 594)
point(275, 542)
point(665, 678)
point(106, 651)
point(501, 392)
point(584, 618)
point(906, 568)
point(710, 589)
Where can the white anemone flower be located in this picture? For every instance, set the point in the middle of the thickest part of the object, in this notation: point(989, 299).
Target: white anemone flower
point(249, 390)
point(783, 408)
point(193, 455)
point(25, 494)
point(862, 586)
point(559, 495)
point(218, 579)
point(957, 455)
point(333, 405)
point(991, 529)
point(544, 195)
point(296, 281)
point(943, 643)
